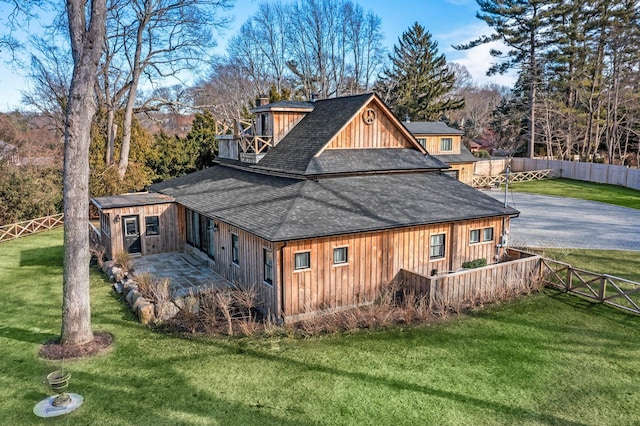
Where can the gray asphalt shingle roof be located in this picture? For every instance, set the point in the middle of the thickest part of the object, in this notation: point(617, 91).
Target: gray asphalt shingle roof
point(129, 200)
point(465, 156)
point(370, 160)
point(431, 128)
point(294, 152)
point(280, 209)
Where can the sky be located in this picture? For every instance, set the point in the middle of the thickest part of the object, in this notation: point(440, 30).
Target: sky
point(449, 21)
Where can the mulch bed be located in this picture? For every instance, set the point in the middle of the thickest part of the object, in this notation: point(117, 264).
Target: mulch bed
point(54, 350)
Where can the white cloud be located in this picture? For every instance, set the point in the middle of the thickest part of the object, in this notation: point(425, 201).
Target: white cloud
point(476, 60)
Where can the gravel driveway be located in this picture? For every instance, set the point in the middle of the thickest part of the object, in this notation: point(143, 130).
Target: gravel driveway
point(547, 221)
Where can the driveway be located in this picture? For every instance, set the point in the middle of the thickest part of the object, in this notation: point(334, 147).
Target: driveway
point(547, 221)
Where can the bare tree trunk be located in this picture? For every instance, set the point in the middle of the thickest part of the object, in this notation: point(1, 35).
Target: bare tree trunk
point(86, 44)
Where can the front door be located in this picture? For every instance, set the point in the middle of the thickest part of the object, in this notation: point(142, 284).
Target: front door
point(131, 234)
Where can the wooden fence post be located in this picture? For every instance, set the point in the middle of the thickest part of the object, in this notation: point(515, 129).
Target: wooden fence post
point(601, 290)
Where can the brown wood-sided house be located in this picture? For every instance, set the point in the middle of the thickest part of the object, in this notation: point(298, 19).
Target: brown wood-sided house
point(445, 144)
point(321, 207)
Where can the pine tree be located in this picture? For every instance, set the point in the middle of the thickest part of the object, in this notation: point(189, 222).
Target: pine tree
point(418, 83)
point(521, 25)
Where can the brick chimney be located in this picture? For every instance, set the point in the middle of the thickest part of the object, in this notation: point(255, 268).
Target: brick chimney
point(262, 100)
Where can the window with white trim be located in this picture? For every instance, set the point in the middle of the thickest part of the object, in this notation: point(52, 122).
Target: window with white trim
point(487, 234)
point(302, 260)
point(474, 236)
point(436, 249)
point(446, 144)
point(340, 255)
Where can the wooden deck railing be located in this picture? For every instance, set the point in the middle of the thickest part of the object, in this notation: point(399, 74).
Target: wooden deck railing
point(255, 144)
point(496, 180)
point(608, 289)
point(28, 227)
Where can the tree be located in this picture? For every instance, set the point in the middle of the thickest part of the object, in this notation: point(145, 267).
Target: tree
point(87, 28)
point(519, 24)
point(418, 83)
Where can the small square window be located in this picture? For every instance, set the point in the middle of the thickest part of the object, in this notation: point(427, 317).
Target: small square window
point(474, 236)
point(303, 260)
point(235, 250)
point(152, 224)
point(487, 234)
point(446, 144)
point(422, 142)
point(340, 255)
point(436, 250)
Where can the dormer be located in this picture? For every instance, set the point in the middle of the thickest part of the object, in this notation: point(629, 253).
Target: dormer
point(249, 140)
point(275, 120)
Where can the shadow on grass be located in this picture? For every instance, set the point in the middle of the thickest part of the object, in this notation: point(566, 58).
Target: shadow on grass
point(28, 336)
point(51, 256)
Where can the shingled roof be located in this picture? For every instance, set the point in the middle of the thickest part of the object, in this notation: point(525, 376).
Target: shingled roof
point(279, 209)
point(431, 128)
point(371, 160)
point(465, 156)
point(295, 151)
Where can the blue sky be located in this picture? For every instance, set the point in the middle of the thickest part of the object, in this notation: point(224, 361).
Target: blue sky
point(449, 21)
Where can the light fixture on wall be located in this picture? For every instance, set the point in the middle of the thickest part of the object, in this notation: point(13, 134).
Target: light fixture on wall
point(215, 227)
point(117, 218)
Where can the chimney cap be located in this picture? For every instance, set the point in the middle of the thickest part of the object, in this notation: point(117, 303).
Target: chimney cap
point(314, 96)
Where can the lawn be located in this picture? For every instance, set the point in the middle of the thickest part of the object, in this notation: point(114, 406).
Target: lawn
point(544, 359)
point(611, 194)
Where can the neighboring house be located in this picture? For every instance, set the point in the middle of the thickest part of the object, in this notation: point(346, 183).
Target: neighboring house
point(9, 153)
point(332, 200)
point(444, 143)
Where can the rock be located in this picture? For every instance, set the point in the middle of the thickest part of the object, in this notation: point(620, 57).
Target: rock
point(179, 302)
point(115, 273)
point(132, 295)
point(106, 266)
point(138, 300)
point(166, 311)
point(118, 287)
point(146, 313)
point(128, 285)
point(192, 304)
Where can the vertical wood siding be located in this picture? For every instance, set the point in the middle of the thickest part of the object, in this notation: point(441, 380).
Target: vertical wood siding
point(383, 133)
point(374, 259)
point(433, 143)
point(170, 220)
point(283, 122)
point(249, 271)
point(465, 172)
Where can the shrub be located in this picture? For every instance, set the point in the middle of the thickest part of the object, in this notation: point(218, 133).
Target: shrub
point(124, 260)
point(477, 263)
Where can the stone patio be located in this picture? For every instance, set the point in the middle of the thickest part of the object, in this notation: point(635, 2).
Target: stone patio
point(182, 272)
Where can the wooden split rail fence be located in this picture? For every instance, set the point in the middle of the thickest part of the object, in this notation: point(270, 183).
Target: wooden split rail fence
point(608, 289)
point(497, 180)
point(28, 227)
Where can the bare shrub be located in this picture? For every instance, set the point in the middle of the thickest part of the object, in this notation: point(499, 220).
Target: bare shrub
point(145, 283)
point(224, 300)
point(98, 251)
point(124, 260)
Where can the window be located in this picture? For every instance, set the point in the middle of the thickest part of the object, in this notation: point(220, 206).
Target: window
point(105, 225)
point(303, 260)
point(423, 142)
point(200, 233)
point(437, 246)
point(267, 257)
point(446, 144)
point(474, 236)
point(235, 250)
point(210, 239)
point(152, 225)
point(340, 255)
point(487, 234)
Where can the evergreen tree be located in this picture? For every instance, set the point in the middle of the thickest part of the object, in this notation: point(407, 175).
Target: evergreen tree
point(418, 83)
point(521, 26)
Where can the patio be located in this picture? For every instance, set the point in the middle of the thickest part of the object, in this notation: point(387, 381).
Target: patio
point(184, 275)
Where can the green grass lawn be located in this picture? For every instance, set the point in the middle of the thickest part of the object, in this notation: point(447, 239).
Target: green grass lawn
point(544, 359)
point(611, 194)
point(623, 264)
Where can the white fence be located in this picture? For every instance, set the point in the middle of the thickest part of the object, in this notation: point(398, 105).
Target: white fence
point(591, 172)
